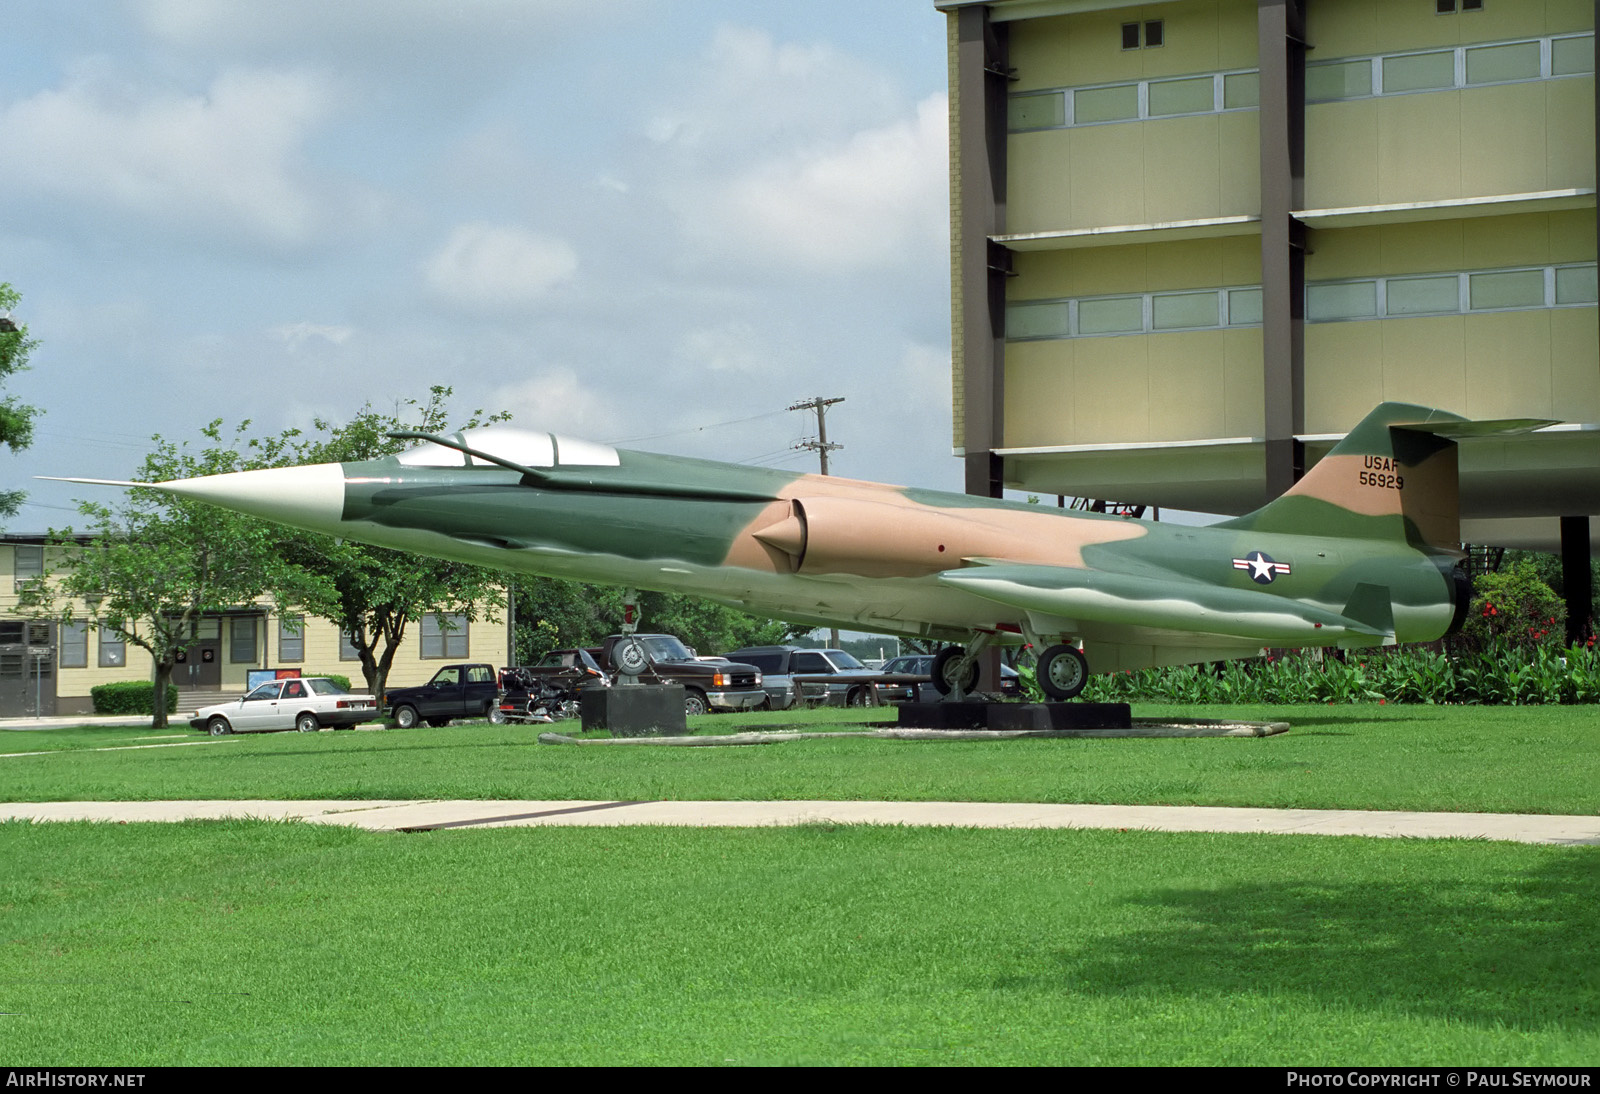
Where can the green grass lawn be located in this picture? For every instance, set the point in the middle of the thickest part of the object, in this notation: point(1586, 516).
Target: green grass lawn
point(1494, 759)
point(289, 943)
point(272, 943)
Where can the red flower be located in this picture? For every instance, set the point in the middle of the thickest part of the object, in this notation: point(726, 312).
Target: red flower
point(1382, 701)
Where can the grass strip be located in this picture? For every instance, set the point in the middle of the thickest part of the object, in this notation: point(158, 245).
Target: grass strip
point(1463, 759)
point(273, 943)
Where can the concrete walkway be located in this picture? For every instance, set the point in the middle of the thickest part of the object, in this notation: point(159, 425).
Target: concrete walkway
point(411, 816)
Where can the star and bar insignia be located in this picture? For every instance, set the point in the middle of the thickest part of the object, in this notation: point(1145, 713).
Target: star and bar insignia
point(1261, 566)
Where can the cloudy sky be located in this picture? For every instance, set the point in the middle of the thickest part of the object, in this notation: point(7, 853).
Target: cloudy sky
point(627, 220)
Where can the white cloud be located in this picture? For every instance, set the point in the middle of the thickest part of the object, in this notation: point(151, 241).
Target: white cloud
point(557, 400)
point(216, 24)
point(750, 91)
point(489, 268)
point(226, 162)
point(866, 202)
point(296, 335)
point(730, 347)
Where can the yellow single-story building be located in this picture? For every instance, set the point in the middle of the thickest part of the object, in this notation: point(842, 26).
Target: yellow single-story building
point(49, 667)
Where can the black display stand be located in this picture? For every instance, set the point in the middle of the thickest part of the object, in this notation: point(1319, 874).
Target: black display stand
point(638, 710)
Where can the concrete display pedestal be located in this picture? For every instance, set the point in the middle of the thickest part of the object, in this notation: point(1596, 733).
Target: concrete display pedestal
point(1016, 716)
point(640, 710)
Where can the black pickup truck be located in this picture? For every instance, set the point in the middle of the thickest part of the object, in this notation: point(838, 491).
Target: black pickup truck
point(716, 684)
point(456, 691)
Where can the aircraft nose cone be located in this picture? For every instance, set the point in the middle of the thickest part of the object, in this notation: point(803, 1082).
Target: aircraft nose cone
point(306, 497)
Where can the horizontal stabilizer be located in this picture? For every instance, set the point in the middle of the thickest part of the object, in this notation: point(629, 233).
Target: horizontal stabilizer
point(1459, 431)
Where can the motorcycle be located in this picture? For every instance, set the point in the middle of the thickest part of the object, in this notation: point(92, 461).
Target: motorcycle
point(528, 700)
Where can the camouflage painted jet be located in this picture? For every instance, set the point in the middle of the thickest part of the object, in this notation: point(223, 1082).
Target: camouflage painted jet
point(1361, 552)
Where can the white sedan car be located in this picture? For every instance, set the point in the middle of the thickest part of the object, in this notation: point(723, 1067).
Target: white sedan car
point(304, 703)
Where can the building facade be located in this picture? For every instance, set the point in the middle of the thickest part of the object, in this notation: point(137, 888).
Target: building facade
point(1194, 242)
point(48, 667)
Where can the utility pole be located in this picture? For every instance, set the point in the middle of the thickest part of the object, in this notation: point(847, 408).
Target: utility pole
point(820, 445)
point(822, 448)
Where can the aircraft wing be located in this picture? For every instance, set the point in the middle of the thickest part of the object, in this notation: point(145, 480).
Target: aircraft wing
point(1169, 602)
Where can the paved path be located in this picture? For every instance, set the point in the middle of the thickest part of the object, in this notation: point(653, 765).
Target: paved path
point(388, 816)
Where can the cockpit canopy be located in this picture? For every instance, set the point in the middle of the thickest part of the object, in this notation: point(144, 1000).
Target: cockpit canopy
point(520, 446)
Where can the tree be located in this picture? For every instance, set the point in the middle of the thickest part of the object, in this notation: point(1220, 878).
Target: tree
point(150, 568)
point(556, 614)
point(16, 418)
point(374, 593)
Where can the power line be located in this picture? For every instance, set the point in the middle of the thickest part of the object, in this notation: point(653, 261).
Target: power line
point(696, 428)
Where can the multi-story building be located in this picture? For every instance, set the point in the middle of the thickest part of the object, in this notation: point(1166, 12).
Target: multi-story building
point(47, 667)
point(1194, 242)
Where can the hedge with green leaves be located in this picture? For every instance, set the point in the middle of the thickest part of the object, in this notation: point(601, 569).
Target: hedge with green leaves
point(1500, 673)
point(131, 697)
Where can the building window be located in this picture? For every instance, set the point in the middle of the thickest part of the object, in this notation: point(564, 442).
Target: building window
point(1575, 285)
point(1154, 34)
point(1422, 295)
point(1105, 104)
point(29, 563)
point(1419, 71)
point(242, 640)
point(74, 645)
point(1448, 7)
point(1183, 310)
point(1453, 293)
point(1111, 315)
point(1244, 307)
point(113, 651)
point(291, 638)
point(444, 635)
point(347, 648)
point(1507, 289)
point(1445, 69)
point(1144, 313)
point(1102, 104)
point(1195, 96)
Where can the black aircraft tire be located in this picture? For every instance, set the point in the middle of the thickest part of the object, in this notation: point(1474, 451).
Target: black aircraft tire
point(942, 683)
point(1063, 671)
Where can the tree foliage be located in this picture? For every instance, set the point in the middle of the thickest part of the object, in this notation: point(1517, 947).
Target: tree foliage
point(374, 594)
point(151, 567)
point(16, 417)
point(555, 614)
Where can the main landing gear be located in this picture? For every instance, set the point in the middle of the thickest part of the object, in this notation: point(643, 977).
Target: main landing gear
point(1062, 669)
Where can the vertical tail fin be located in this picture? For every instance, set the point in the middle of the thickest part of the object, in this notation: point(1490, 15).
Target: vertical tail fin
point(1394, 476)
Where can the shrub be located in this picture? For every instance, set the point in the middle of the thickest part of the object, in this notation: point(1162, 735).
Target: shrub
point(1514, 606)
point(342, 681)
point(1501, 673)
point(131, 697)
